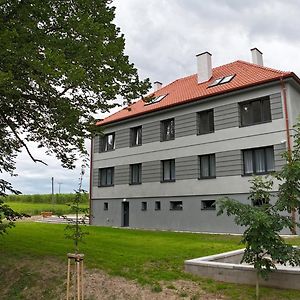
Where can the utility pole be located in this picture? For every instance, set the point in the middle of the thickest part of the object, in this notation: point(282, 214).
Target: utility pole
point(59, 185)
point(52, 190)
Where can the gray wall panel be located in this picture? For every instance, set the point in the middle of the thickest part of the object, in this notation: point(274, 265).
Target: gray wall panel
point(279, 160)
point(97, 141)
point(151, 132)
point(121, 174)
point(95, 179)
point(276, 106)
point(226, 116)
point(151, 171)
point(229, 163)
point(122, 138)
point(185, 125)
point(186, 167)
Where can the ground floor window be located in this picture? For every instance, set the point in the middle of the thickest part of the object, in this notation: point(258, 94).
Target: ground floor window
point(208, 204)
point(105, 207)
point(144, 205)
point(157, 205)
point(176, 205)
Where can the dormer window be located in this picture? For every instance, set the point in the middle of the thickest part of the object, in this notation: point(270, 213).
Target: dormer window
point(222, 80)
point(155, 99)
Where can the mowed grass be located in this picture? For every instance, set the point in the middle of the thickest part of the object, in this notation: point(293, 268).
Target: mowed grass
point(37, 208)
point(148, 257)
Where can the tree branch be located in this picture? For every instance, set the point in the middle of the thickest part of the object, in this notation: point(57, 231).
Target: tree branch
point(22, 142)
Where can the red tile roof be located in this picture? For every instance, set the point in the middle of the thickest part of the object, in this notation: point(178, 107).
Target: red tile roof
point(187, 89)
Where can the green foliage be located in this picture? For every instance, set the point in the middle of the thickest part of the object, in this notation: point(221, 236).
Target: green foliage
point(7, 217)
point(45, 198)
point(263, 245)
point(289, 175)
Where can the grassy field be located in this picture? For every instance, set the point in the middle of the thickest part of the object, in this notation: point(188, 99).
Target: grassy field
point(148, 257)
point(36, 208)
point(45, 198)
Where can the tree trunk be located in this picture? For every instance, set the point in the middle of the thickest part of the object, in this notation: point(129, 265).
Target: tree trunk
point(257, 286)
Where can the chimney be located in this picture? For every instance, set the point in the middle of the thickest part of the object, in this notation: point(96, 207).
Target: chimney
point(157, 85)
point(204, 66)
point(257, 57)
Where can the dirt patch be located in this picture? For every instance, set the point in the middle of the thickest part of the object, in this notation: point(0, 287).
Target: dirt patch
point(99, 285)
point(34, 279)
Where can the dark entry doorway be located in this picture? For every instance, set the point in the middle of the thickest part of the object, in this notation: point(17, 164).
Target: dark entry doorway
point(125, 214)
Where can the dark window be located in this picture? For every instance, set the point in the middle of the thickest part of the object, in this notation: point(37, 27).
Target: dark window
point(176, 205)
point(168, 170)
point(207, 166)
point(168, 130)
point(255, 112)
point(136, 136)
point(206, 121)
point(144, 205)
point(106, 176)
point(258, 161)
point(157, 205)
point(136, 174)
point(105, 207)
point(208, 204)
point(108, 142)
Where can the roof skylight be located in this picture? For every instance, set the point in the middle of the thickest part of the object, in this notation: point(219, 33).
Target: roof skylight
point(155, 99)
point(222, 80)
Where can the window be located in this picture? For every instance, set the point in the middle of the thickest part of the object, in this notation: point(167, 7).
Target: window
point(258, 161)
point(208, 205)
point(176, 205)
point(106, 177)
point(168, 170)
point(136, 136)
point(168, 130)
point(206, 121)
point(136, 174)
point(108, 142)
point(255, 111)
point(155, 99)
point(157, 205)
point(105, 207)
point(144, 205)
point(222, 80)
point(207, 166)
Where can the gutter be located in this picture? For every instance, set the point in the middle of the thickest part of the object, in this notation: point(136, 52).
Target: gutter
point(91, 178)
point(289, 147)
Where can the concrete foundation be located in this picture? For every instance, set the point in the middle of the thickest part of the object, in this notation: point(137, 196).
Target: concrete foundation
point(226, 267)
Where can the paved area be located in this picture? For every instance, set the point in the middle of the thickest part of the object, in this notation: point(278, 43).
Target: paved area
point(60, 220)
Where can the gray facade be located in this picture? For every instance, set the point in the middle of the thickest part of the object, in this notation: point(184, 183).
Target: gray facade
point(227, 142)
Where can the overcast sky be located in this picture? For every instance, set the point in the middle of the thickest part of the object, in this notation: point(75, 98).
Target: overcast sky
point(162, 40)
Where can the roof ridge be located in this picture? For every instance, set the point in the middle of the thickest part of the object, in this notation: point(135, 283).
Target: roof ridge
point(263, 67)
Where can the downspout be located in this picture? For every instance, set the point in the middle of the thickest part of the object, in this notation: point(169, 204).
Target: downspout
point(91, 179)
point(288, 139)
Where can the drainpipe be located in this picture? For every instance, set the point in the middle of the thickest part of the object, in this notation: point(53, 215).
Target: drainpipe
point(289, 147)
point(91, 179)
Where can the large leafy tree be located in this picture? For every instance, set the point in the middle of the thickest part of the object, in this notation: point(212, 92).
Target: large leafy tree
point(60, 63)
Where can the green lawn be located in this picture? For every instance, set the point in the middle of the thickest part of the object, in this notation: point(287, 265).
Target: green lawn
point(145, 256)
point(37, 208)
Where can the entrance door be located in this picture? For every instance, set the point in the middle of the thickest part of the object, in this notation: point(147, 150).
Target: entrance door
point(125, 214)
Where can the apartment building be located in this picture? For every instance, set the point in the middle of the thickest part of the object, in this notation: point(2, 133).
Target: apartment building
point(163, 161)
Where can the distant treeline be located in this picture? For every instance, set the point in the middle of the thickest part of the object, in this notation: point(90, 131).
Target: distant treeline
point(45, 198)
